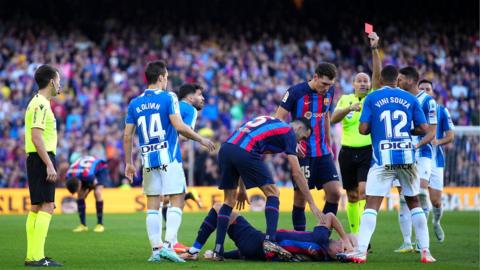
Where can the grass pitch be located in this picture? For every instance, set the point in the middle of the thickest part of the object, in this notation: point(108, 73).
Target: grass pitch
point(124, 244)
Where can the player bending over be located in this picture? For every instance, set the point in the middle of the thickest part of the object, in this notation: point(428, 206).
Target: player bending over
point(84, 175)
point(241, 156)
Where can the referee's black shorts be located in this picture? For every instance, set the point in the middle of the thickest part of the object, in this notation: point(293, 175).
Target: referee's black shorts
point(354, 165)
point(41, 190)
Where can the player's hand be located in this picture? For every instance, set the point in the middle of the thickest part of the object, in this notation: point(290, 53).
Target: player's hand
point(355, 107)
point(51, 174)
point(373, 39)
point(208, 144)
point(346, 245)
point(301, 150)
point(242, 197)
point(130, 172)
point(322, 218)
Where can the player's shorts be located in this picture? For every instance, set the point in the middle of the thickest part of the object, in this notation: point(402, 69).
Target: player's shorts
point(248, 240)
point(436, 179)
point(100, 179)
point(380, 179)
point(236, 162)
point(354, 165)
point(164, 180)
point(41, 190)
point(318, 171)
point(424, 168)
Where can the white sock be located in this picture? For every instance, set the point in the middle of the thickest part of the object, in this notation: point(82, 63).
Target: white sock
point(367, 227)
point(424, 201)
point(174, 219)
point(421, 229)
point(154, 229)
point(437, 214)
point(193, 250)
point(405, 221)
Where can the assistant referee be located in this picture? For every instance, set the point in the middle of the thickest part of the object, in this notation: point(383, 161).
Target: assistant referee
point(41, 146)
point(356, 152)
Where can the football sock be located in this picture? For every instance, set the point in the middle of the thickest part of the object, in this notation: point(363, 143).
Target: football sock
point(81, 210)
point(367, 227)
point(30, 226)
point(298, 218)
point(361, 206)
point(271, 215)
point(222, 226)
point(154, 228)
point(405, 221)
point(174, 219)
point(437, 214)
point(353, 214)
point(419, 222)
point(206, 229)
point(424, 201)
point(42, 222)
point(99, 206)
point(330, 208)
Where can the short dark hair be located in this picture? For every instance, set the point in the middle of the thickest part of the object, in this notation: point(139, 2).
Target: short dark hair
point(185, 90)
point(410, 72)
point(425, 81)
point(305, 122)
point(389, 74)
point(155, 69)
point(326, 69)
point(72, 185)
point(44, 74)
point(198, 86)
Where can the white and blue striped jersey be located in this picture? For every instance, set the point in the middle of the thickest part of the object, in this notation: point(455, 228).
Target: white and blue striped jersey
point(444, 124)
point(391, 113)
point(188, 113)
point(429, 108)
point(157, 137)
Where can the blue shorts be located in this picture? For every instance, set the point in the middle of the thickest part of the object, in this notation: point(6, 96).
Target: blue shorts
point(248, 240)
point(89, 182)
point(318, 171)
point(236, 162)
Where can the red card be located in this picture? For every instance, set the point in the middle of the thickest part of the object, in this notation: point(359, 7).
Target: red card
point(368, 28)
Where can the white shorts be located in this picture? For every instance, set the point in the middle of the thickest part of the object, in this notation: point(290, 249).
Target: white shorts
point(436, 179)
point(168, 181)
point(424, 167)
point(380, 180)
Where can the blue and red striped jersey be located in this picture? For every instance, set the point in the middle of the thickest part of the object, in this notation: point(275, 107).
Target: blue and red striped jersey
point(302, 101)
point(314, 243)
point(85, 168)
point(265, 135)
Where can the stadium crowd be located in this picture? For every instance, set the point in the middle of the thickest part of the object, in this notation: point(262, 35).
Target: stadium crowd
point(243, 77)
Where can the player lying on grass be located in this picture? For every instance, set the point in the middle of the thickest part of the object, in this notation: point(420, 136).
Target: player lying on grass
point(289, 246)
point(84, 175)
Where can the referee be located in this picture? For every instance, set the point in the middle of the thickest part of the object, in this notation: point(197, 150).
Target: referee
point(356, 152)
point(41, 145)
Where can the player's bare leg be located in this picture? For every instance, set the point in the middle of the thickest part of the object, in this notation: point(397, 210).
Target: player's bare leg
point(436, 199)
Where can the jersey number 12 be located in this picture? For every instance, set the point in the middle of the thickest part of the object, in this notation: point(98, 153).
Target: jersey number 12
point(396, 132)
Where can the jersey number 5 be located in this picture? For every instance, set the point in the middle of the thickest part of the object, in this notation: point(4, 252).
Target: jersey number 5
point(154, 127)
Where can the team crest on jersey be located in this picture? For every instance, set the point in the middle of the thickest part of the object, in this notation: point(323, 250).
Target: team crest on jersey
point(308, 115)
point(326, 101)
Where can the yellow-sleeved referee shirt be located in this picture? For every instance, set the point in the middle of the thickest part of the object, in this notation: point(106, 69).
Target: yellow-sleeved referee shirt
point(39, 114)
point(351, 136)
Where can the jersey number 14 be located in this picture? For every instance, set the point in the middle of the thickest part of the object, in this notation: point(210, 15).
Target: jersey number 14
point(154, 128)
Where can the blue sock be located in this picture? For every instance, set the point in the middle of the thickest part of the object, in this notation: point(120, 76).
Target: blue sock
point(99, 206)
point(222, 227)
point(330, 208)
point(298, 218)
point(206, 229)
point(271, 215)
point(81, 210)
point(164, 213)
